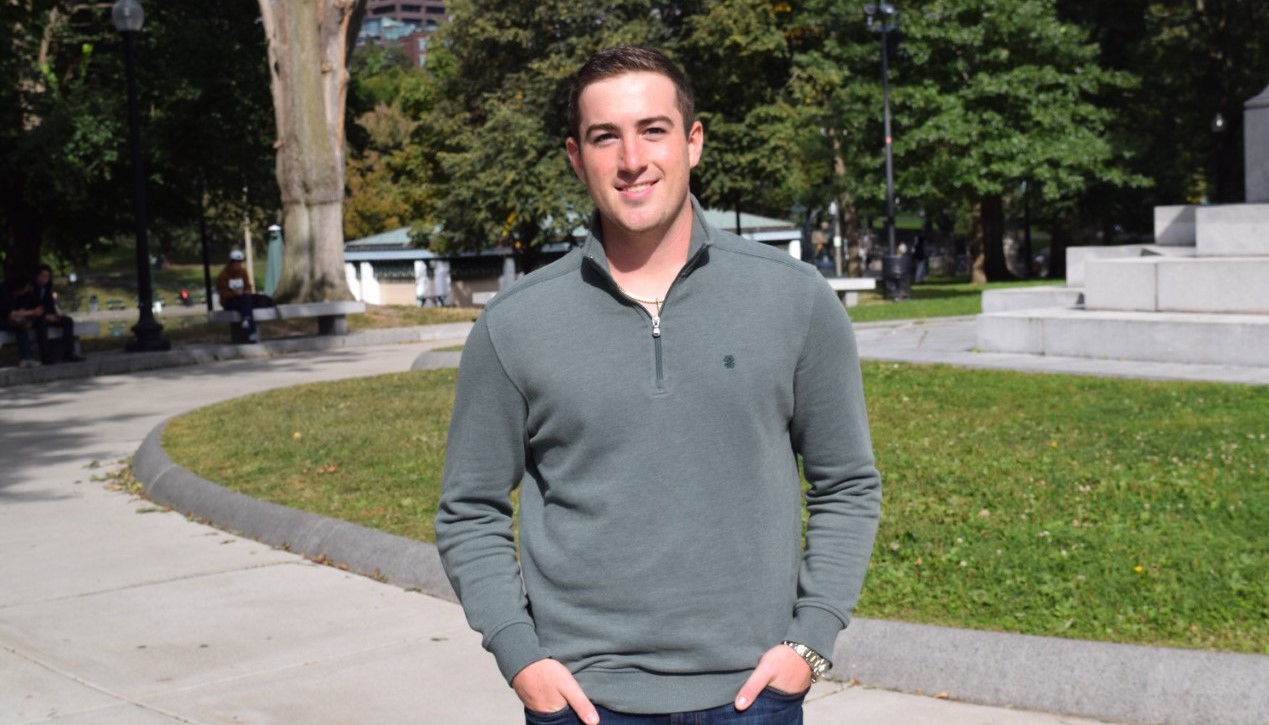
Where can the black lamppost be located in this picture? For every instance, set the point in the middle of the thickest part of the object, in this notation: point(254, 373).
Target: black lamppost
point(1218, 130)
point(896, 269)
point(128, 17)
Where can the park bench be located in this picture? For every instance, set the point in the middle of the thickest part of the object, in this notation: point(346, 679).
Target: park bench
point(331, 316)
point(82, 329)
point(848, 288)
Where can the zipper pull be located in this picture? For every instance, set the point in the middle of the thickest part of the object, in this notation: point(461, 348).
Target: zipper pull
point(656, 325)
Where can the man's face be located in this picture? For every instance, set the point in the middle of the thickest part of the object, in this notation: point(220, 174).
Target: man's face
point(632, 152)
point(43, 278)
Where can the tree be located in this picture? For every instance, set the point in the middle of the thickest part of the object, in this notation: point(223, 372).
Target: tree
point(502, 75)
point(739, 64)
point(309, 46)
point(57, 137)
point(1001, 91)
point(1195, 59)
point(385, 95)
point(66, 191)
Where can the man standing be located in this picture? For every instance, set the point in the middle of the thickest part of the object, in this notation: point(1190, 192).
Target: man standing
point(653, 390)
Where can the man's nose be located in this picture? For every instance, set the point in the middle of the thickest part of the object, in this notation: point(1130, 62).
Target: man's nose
point(632, 154)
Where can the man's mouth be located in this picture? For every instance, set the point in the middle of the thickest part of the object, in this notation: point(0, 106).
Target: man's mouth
point(636, 188)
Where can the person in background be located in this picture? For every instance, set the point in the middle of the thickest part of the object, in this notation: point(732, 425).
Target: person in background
point(52, 316)
point(236, 294)
point(18, 309)
point(920, 259)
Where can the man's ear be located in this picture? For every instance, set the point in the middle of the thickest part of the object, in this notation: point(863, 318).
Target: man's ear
point(695, 143)
point(575, 157)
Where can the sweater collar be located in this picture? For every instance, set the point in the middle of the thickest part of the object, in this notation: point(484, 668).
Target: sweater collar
point(702, 238)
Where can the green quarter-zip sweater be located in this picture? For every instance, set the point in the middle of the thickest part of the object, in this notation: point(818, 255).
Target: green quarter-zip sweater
point(660, 539)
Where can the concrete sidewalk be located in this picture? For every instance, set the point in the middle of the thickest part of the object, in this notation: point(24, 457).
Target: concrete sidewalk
point(953, 341)
point(114, 612)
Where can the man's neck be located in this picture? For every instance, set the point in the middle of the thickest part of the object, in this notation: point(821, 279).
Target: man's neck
point(646, 265)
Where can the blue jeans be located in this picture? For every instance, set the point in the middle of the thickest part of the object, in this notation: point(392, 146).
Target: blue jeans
point(772, 707)
point(245, 305)
point(21, 334)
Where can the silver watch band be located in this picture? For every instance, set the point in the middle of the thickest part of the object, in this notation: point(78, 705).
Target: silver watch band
point(819, 666)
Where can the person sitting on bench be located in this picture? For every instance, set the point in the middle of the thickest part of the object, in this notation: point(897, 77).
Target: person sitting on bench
point(46, 299)
point(236, 294)
point(17, 309)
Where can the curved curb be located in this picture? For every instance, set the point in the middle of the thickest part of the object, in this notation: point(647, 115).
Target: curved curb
point(404, 562)
point(1122, 682)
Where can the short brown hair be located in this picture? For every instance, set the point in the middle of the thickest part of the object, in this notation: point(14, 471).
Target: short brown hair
point(629, 59)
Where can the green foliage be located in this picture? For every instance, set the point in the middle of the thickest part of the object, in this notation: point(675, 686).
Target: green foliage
point(67, 190)
point(498, 126)
point(385, 96)
point(999, 91)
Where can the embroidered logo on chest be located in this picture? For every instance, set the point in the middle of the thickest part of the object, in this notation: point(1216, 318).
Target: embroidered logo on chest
point(729, 361)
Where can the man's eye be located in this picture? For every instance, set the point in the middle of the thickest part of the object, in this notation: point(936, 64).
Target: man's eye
point(603, 137)
point(655, 131)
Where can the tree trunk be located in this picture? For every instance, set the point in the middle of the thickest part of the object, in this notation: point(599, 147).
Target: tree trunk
point(849, 217)
point(978, 259)
point(987, 240)
point(850, 231)
point(309, 43)
point(25, 232)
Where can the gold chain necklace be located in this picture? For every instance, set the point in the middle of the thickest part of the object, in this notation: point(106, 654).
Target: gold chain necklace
point(655, 301)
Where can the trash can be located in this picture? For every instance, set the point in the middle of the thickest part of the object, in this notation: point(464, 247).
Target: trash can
point(896, 275)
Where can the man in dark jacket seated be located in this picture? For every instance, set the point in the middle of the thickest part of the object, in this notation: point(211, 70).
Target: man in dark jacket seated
point(17, 310)
point(52, 316)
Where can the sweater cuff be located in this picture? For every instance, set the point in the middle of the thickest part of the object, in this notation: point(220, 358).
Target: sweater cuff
point(515, 648)
point(816, 628)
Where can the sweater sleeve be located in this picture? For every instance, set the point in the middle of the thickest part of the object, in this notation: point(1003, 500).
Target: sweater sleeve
point(484, 462)
point(830, 431)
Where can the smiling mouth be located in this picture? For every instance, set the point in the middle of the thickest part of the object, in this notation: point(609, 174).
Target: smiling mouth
point(636, 188)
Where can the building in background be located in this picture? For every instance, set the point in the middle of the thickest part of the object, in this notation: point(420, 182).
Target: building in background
point(409, 25)
point(388, 269)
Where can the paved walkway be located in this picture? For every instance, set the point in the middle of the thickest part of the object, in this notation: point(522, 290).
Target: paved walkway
point(952, 341)
point(114, 612)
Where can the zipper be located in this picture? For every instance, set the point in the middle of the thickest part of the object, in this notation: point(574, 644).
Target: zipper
point(656, 319)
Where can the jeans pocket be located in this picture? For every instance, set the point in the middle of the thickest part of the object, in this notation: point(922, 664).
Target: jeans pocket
point(784, 696)
point(561, 716)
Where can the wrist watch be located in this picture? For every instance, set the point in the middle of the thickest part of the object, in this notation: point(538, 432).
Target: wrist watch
point(819, 666)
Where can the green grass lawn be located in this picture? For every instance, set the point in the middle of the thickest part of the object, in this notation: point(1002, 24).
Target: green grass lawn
point(1118, 510)
point(936, 297)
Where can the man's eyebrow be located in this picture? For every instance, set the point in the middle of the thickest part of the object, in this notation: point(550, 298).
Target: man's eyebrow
point(643, 123)
point(609, 127)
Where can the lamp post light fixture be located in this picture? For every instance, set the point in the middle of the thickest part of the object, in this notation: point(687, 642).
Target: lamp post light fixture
point(1219, 126)
point(883, 18)
point(128, 18)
